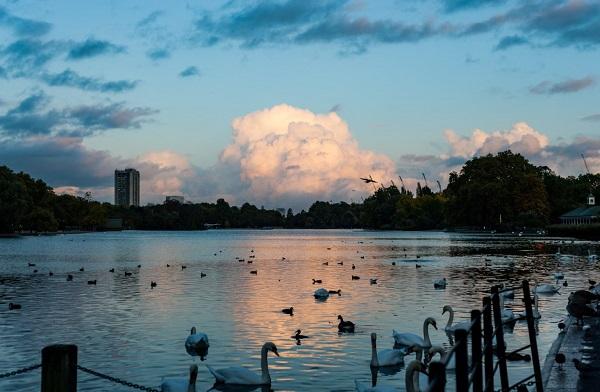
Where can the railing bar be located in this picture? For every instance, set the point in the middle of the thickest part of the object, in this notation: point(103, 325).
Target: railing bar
point(521, 382)
point(521, 349)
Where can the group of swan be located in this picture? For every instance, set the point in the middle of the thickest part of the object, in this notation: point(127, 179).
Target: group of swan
point(413, 377)
point(451, 328)
point(408, 339)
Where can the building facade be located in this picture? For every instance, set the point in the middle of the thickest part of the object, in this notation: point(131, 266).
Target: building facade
point(127, 188)
point(587, 215)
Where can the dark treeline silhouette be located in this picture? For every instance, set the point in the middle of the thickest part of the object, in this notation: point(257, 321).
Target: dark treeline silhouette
point(500, 191)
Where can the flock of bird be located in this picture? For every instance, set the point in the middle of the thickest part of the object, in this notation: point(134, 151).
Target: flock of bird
point(405, 343)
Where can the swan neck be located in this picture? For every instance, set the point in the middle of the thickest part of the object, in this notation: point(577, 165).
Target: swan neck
point(412, 380)
point(426, 333)
point(451, 318)
point(374, 358)
point(264, 366)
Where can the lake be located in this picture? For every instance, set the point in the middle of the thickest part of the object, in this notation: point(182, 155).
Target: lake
point(127, 329)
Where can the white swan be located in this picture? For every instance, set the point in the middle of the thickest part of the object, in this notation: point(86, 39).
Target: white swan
point(387, 357)
point(413, 380)
point(506, 315)
point(450, 328)
point(536, 313)
point(408, 339)
point(238, 375)
point(360, 387)
point(181, 384)
point(321, 293)
point(545, 288)
point(196, 343)
point(451, 364)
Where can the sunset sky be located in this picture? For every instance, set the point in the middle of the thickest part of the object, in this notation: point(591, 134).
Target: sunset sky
point(281, 103)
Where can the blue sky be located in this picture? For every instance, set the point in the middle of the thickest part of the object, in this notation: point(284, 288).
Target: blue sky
point(113, 83)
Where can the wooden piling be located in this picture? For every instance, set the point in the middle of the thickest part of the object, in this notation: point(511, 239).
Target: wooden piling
point(59, 368)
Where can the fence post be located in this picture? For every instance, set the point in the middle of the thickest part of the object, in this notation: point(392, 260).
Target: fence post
point(476, 350)
point(488, 331)
point(462, 360)
point(535, 358)
point(59, 368)
point(500, 345)
point(437, 377)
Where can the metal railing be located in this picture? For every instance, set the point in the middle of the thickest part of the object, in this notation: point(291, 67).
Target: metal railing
point(479, 375)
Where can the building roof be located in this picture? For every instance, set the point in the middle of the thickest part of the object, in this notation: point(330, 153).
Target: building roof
point(583, 212)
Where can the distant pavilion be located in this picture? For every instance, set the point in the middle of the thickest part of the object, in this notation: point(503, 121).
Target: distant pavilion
point(583, 215)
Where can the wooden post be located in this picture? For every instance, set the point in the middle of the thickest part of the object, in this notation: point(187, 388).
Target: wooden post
point(462, 360)
point(500, 345)
point(535, 358)
point(437, 377)
point(488, 331)
point(476, 351)
point(59, 368)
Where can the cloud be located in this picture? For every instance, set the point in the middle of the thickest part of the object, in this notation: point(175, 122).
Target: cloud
point(566, 86)
point(70, 78)
point(23, 27)
point(510, 41)
point(92, 48)
point(459, 5)
point(592, 118)
point(158, 54)
point(149, 20)
point(190, 71)
point(285, 155)
point(29, 118)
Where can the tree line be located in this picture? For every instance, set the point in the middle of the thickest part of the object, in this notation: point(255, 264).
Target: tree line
point(502, 191)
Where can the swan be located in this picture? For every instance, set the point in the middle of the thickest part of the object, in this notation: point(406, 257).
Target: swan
point(408, 339)
point(238, 375)
point(452, 328)
point(559, 275)
point(181, 384)
point(196, 343)
point(321, 293)
point(450, 364)
point(387, 357)
point(536, 313)
point(440, 283)
point(412, 379)
point(360, 387)
point(545, 288)
point(506, 315)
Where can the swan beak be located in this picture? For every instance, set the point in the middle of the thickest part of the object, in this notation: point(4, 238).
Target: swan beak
point(276, 353)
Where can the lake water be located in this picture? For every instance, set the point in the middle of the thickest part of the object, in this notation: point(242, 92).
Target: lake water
point(126, 329)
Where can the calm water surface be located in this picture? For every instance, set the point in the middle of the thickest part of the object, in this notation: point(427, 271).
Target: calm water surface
point(126, 329)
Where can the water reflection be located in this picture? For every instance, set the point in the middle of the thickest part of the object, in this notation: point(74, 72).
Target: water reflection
point(125, 328)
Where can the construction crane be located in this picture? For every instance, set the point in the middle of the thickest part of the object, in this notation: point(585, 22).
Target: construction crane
point(426, 184)
point(585, 163)
point(439, 185)
point(401, 181)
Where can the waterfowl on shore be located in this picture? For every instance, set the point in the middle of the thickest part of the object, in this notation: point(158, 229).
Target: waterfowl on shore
point(317, 281)
point(373, 280)
point(321, 293)
point(579, 311)
point(298, 335)
point(583, 297)
point(196, 343)
point(345, 326)
point(289, 311)
point(408, 339)
point(238, 375)
point(440, 283)
point(202, 274)
point(387, 357)
point(181, 384)
point(451, 328)
point(353, 266)
point(92, 282)
point(13, 306)
point(153, 284)
point(560, 358)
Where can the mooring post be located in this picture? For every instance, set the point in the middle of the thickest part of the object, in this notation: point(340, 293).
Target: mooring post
point(476, 351)
point(488, 338)
point(462, 360)
point(437, 377)
point(59, 368)
point(535, 358)
point(500, 345)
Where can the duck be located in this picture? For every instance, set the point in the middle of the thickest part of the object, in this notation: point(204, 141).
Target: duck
point(345, 326)
point(513, 357)
point(81, 269)
point(111, 270)
point(341, 263)
point(183, 267)
point(31, 264)
point(545, 288)
point(128, 273)
point(255, 272)
point(196, 343)
point(418, 266)
point(355, 277)
point(373, 280)
point(181, 384)
point(238, 375)
point(353, 266)
point(92, 282)
point(338, 292)
point(69, 278)
point(168, 265)
point(13, 306)
point(153, 284)
point(317, 281)
point(298, 335)
point(289, 311)
point(408, 339)
point(387, 357)
point(440, 283)
point(451, 328)
point(202, 275)
point(321, 293)
point(326, 263)
point(50, 273)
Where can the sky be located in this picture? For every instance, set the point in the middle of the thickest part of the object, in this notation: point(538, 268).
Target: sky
point(281, 103)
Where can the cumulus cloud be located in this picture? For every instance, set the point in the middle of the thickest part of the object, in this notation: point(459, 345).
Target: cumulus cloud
point(566, 86)
point(285, 154)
